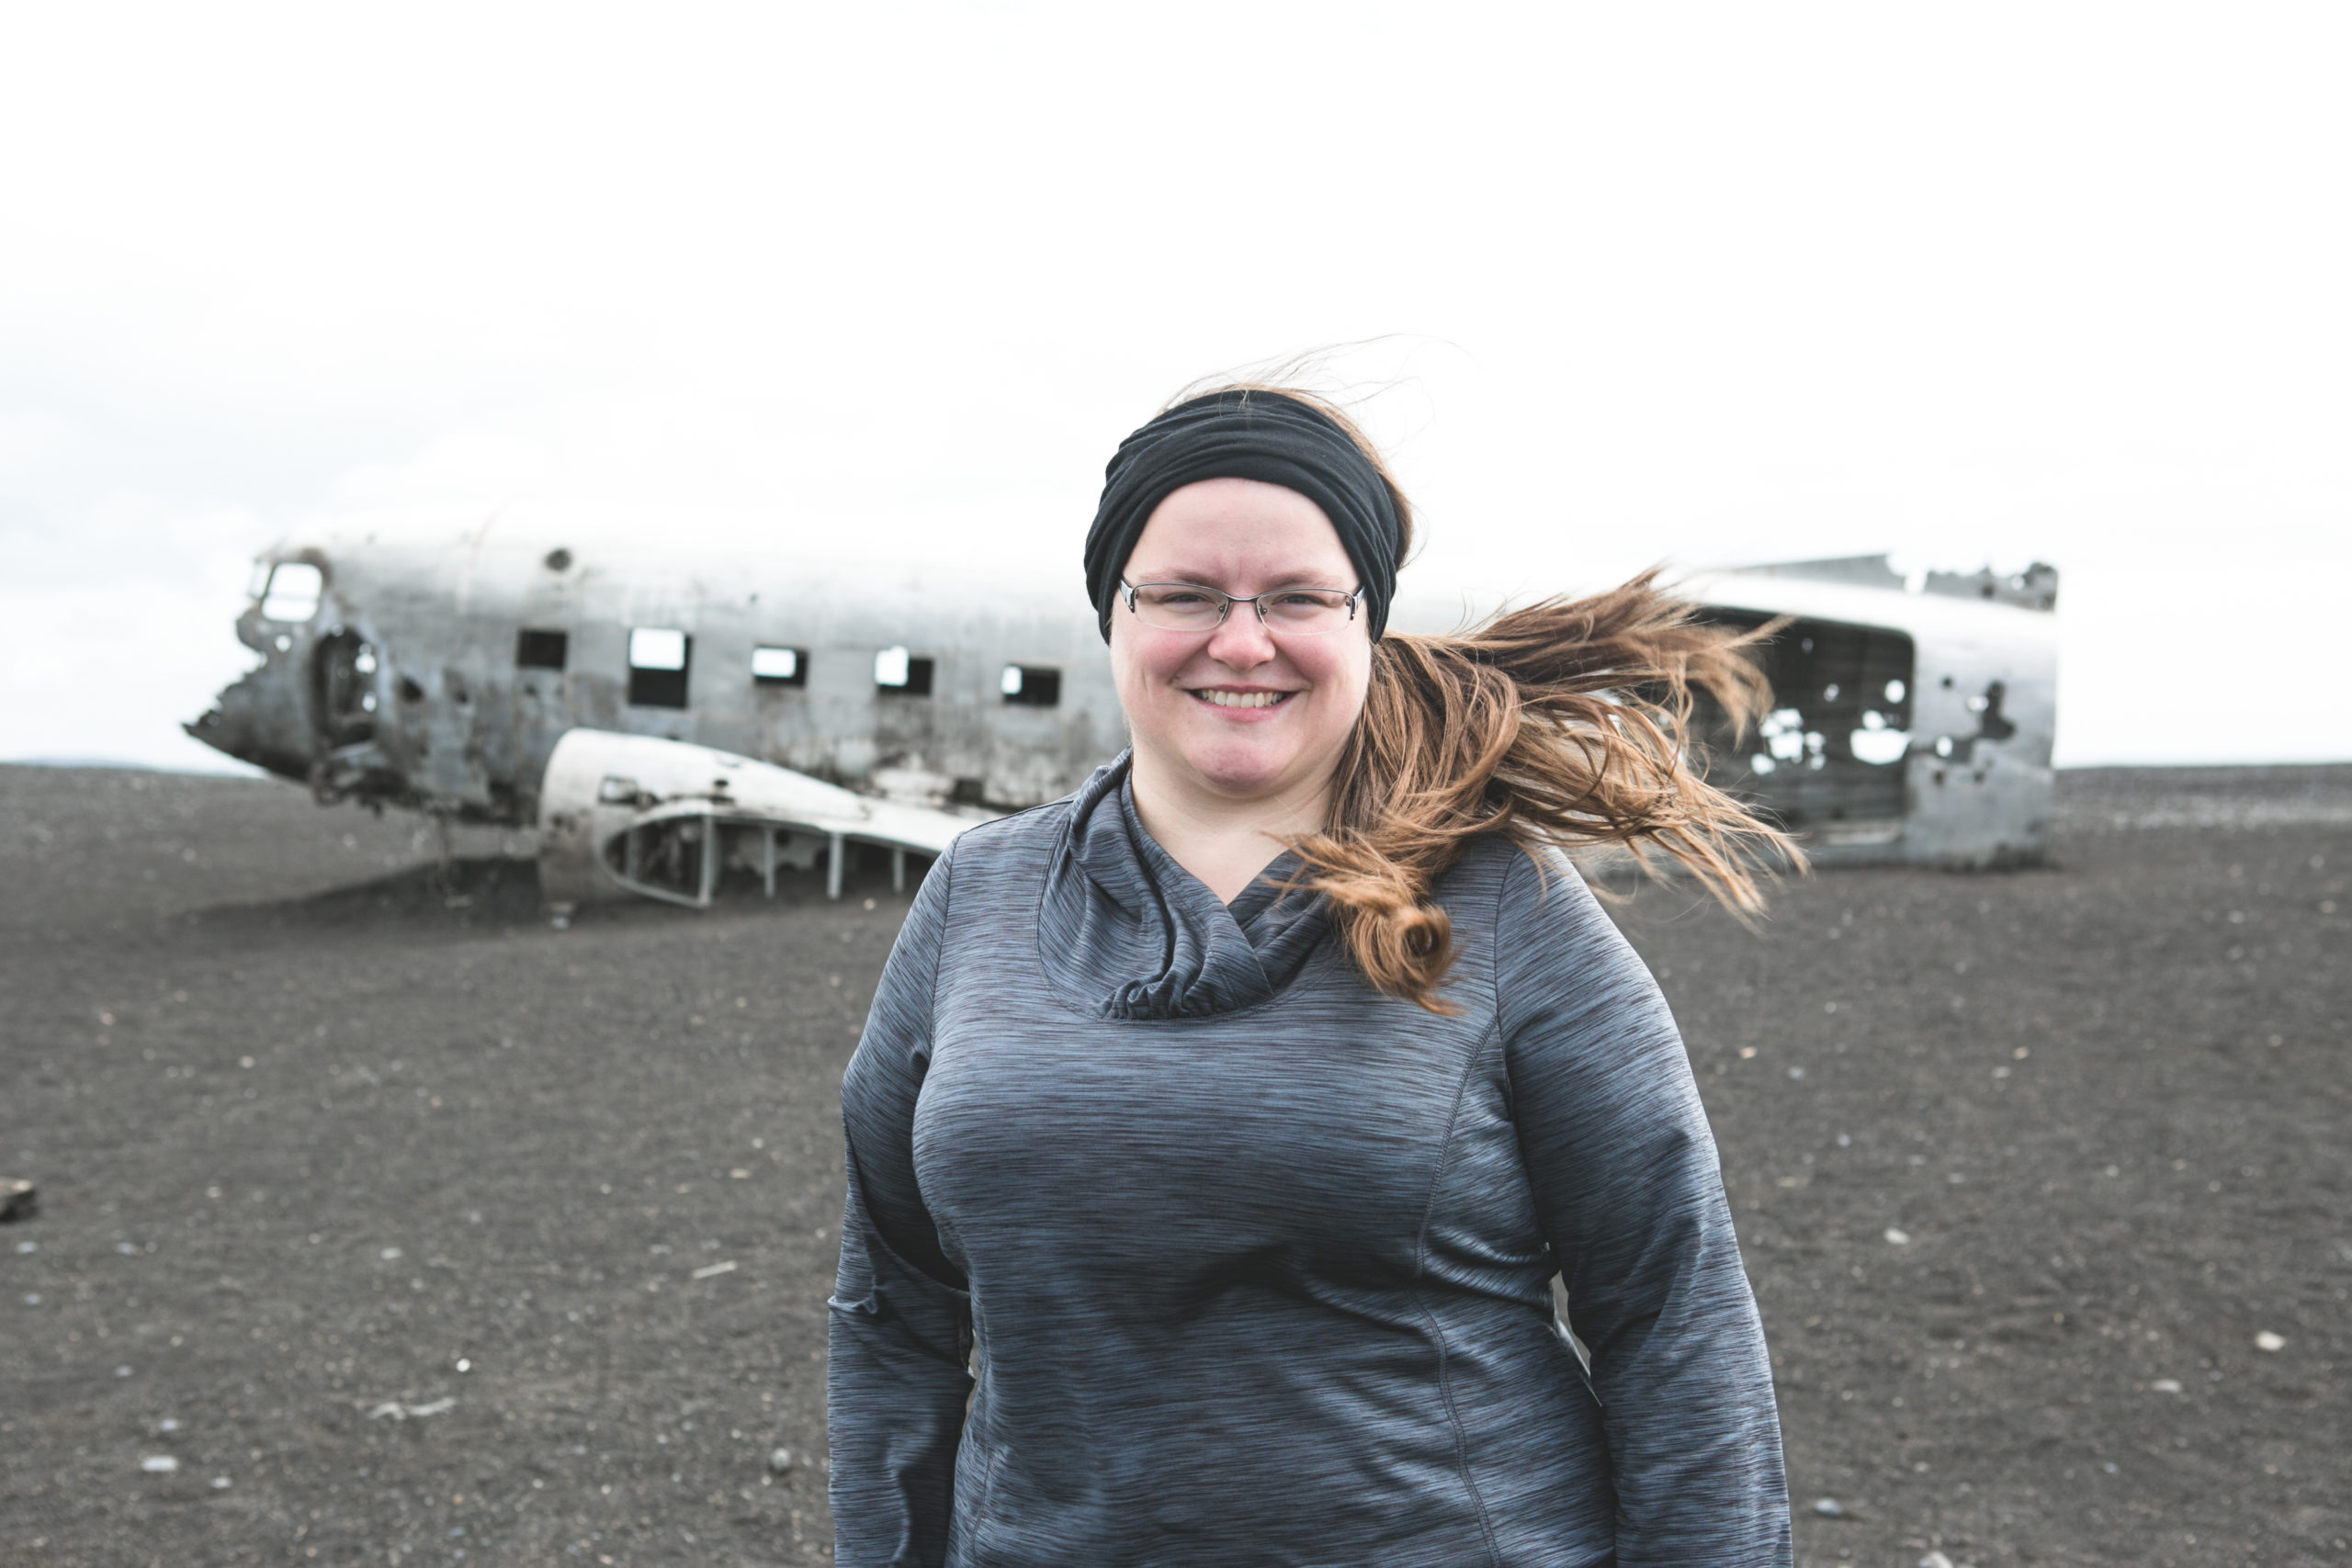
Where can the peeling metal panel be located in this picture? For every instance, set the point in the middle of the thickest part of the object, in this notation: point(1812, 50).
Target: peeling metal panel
point(635, 815)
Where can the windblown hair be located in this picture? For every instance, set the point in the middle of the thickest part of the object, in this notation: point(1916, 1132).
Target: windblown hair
point(1566, 723)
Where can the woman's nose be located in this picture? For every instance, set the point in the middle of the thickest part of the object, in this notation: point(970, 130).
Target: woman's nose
point(1240, 641)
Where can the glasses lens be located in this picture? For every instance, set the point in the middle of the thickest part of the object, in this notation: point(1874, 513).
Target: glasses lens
point(1179, 607)
point(1184, 607)
point(1305, 610)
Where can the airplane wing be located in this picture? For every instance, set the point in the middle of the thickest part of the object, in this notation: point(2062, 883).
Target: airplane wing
point(638, 815)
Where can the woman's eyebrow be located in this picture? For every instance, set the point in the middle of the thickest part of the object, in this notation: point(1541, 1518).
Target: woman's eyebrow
point(1199, 578)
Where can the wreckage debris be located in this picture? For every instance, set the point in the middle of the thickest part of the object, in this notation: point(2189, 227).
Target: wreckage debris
point(20, 1198)
point(399, 1412)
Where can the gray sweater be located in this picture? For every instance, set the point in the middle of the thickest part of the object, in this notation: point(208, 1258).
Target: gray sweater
point(1251, 1262)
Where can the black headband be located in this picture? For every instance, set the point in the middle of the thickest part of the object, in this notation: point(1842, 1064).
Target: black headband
point(1246, 435)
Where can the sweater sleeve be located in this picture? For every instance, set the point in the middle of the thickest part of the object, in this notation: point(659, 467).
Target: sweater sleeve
point(1629, 1191)
point(900, 1323)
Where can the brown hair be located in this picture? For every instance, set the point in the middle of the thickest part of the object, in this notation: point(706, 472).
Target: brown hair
point(1567, 722)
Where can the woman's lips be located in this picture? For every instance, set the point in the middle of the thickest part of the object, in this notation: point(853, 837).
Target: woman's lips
point(1241, 700)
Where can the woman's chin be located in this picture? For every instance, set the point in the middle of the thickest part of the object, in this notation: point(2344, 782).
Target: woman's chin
point(1239, 769)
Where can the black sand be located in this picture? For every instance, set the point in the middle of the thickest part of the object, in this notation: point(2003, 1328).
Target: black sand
point(323, 1142)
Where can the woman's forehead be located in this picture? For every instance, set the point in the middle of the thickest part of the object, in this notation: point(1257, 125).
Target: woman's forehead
point(1237, 525)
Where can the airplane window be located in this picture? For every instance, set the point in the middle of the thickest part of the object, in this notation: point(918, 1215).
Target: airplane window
point(1032, 685)
point(780, 666)
point(654, 648)
point(897, 671)
point(541, 650)
point(294, 588)
point(657, 667)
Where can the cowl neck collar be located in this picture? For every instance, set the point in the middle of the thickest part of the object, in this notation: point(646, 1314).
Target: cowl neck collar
point(1137, 936)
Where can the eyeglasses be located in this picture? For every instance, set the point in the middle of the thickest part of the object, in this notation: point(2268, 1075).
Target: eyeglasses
point(1188, 607)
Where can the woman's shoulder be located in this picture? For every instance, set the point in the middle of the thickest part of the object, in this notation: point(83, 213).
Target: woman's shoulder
point(985, 868)
point(1520, 910)
point(1013, 842)
point(1499, 879)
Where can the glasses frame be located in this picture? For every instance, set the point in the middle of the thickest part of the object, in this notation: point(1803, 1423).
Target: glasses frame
point(1127, 592)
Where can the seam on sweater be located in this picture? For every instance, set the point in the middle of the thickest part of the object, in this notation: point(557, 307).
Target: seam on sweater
point(1420, 1297)
point(984, 1513)
point(1495, 970)
point(947, 868)
point(1560, 1326)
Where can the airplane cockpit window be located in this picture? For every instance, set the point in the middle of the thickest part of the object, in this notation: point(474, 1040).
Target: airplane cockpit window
point(780, 666)
point(1032, 685)
point(901, 674)
point(541, 650)
point(343, 691)
point(657, 657)
point(293, 592)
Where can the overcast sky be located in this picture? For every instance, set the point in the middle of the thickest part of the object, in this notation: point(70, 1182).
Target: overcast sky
point(1694, 284)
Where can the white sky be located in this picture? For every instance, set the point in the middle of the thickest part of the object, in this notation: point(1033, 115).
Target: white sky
point(1697, 283)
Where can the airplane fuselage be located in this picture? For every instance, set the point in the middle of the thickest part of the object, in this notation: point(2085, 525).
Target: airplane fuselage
point(441, 678)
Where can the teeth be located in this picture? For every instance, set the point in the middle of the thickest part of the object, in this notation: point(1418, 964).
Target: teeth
point(1242, 699)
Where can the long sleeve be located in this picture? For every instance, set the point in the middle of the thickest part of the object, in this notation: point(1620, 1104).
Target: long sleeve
point(896, 1382)
point(1629, 1192)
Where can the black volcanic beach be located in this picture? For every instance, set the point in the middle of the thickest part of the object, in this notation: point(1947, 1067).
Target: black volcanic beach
point(381, 1220)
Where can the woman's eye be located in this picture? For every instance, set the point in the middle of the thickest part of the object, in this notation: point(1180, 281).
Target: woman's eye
point(1182, 598)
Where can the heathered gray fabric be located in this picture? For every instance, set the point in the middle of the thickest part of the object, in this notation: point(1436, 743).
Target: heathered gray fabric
point(1252, 1262)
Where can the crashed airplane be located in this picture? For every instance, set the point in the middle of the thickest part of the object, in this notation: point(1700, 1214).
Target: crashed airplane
point(674, 734)
point(669, 732)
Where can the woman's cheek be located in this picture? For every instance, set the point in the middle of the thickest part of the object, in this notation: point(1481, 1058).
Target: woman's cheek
point(1341, 672)
point(1145, 684)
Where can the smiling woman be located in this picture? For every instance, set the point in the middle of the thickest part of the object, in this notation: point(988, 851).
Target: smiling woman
point(1237, 709)
point(1230, 1119)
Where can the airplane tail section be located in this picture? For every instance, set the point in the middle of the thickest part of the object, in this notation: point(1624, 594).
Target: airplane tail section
point(635, 815)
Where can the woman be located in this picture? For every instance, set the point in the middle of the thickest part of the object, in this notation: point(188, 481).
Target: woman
point(1218, 1131)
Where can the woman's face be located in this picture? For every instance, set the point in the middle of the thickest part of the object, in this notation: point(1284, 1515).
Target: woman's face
point(1240, 712)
